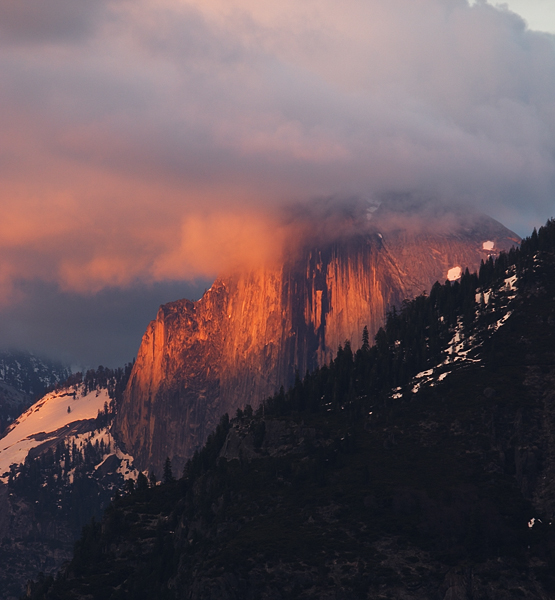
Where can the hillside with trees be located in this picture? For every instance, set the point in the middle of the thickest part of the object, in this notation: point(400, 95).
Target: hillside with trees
point(419, 467)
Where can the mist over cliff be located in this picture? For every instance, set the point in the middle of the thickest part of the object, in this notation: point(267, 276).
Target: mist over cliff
point(341, 267)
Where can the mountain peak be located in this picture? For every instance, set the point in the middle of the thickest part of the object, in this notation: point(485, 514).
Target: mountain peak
point(256, 328)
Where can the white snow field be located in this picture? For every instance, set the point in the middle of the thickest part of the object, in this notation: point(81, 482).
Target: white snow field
point(454, 274)
point(40, 422)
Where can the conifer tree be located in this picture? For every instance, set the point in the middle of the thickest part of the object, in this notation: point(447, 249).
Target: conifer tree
point(168, 475)
point(365, 339)
point(142, 482)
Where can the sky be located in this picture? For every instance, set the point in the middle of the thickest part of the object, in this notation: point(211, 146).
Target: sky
point(146, 146)
point(538, 14)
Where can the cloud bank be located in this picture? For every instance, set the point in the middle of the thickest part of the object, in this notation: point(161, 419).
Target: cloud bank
point(142, 142)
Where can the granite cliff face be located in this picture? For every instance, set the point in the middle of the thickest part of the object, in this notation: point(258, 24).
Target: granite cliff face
point(252, 331)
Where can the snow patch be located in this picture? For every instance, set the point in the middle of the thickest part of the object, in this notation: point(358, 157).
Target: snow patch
point(483, 295)
point(489, 245)
point(126, 469)
point(454, 274)
point(501, 321)
point(458, 347)
point(426, 373)
point(396, 393)
point(427, 378)
point(45, 417)
point(510, 283)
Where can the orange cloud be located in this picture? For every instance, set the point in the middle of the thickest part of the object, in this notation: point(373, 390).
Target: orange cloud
point(214, 242)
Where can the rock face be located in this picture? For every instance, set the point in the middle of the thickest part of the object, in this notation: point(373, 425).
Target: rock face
point(252, 331)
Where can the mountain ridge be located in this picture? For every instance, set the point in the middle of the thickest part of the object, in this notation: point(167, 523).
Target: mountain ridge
point(23, 378)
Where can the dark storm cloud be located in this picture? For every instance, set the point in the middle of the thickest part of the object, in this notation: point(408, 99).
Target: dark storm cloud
point(87, 331)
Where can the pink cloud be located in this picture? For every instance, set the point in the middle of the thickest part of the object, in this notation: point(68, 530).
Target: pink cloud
point(132, 132)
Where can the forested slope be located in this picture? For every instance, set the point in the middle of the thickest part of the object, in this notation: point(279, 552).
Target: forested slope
point(419, 467)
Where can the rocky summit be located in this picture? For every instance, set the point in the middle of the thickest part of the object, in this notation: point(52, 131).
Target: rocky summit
point(253, 330)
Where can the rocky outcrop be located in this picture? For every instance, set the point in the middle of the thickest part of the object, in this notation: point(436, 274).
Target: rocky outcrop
point(252, 331)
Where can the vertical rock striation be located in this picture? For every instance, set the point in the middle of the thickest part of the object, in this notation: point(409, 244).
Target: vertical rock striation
point(252, 331)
